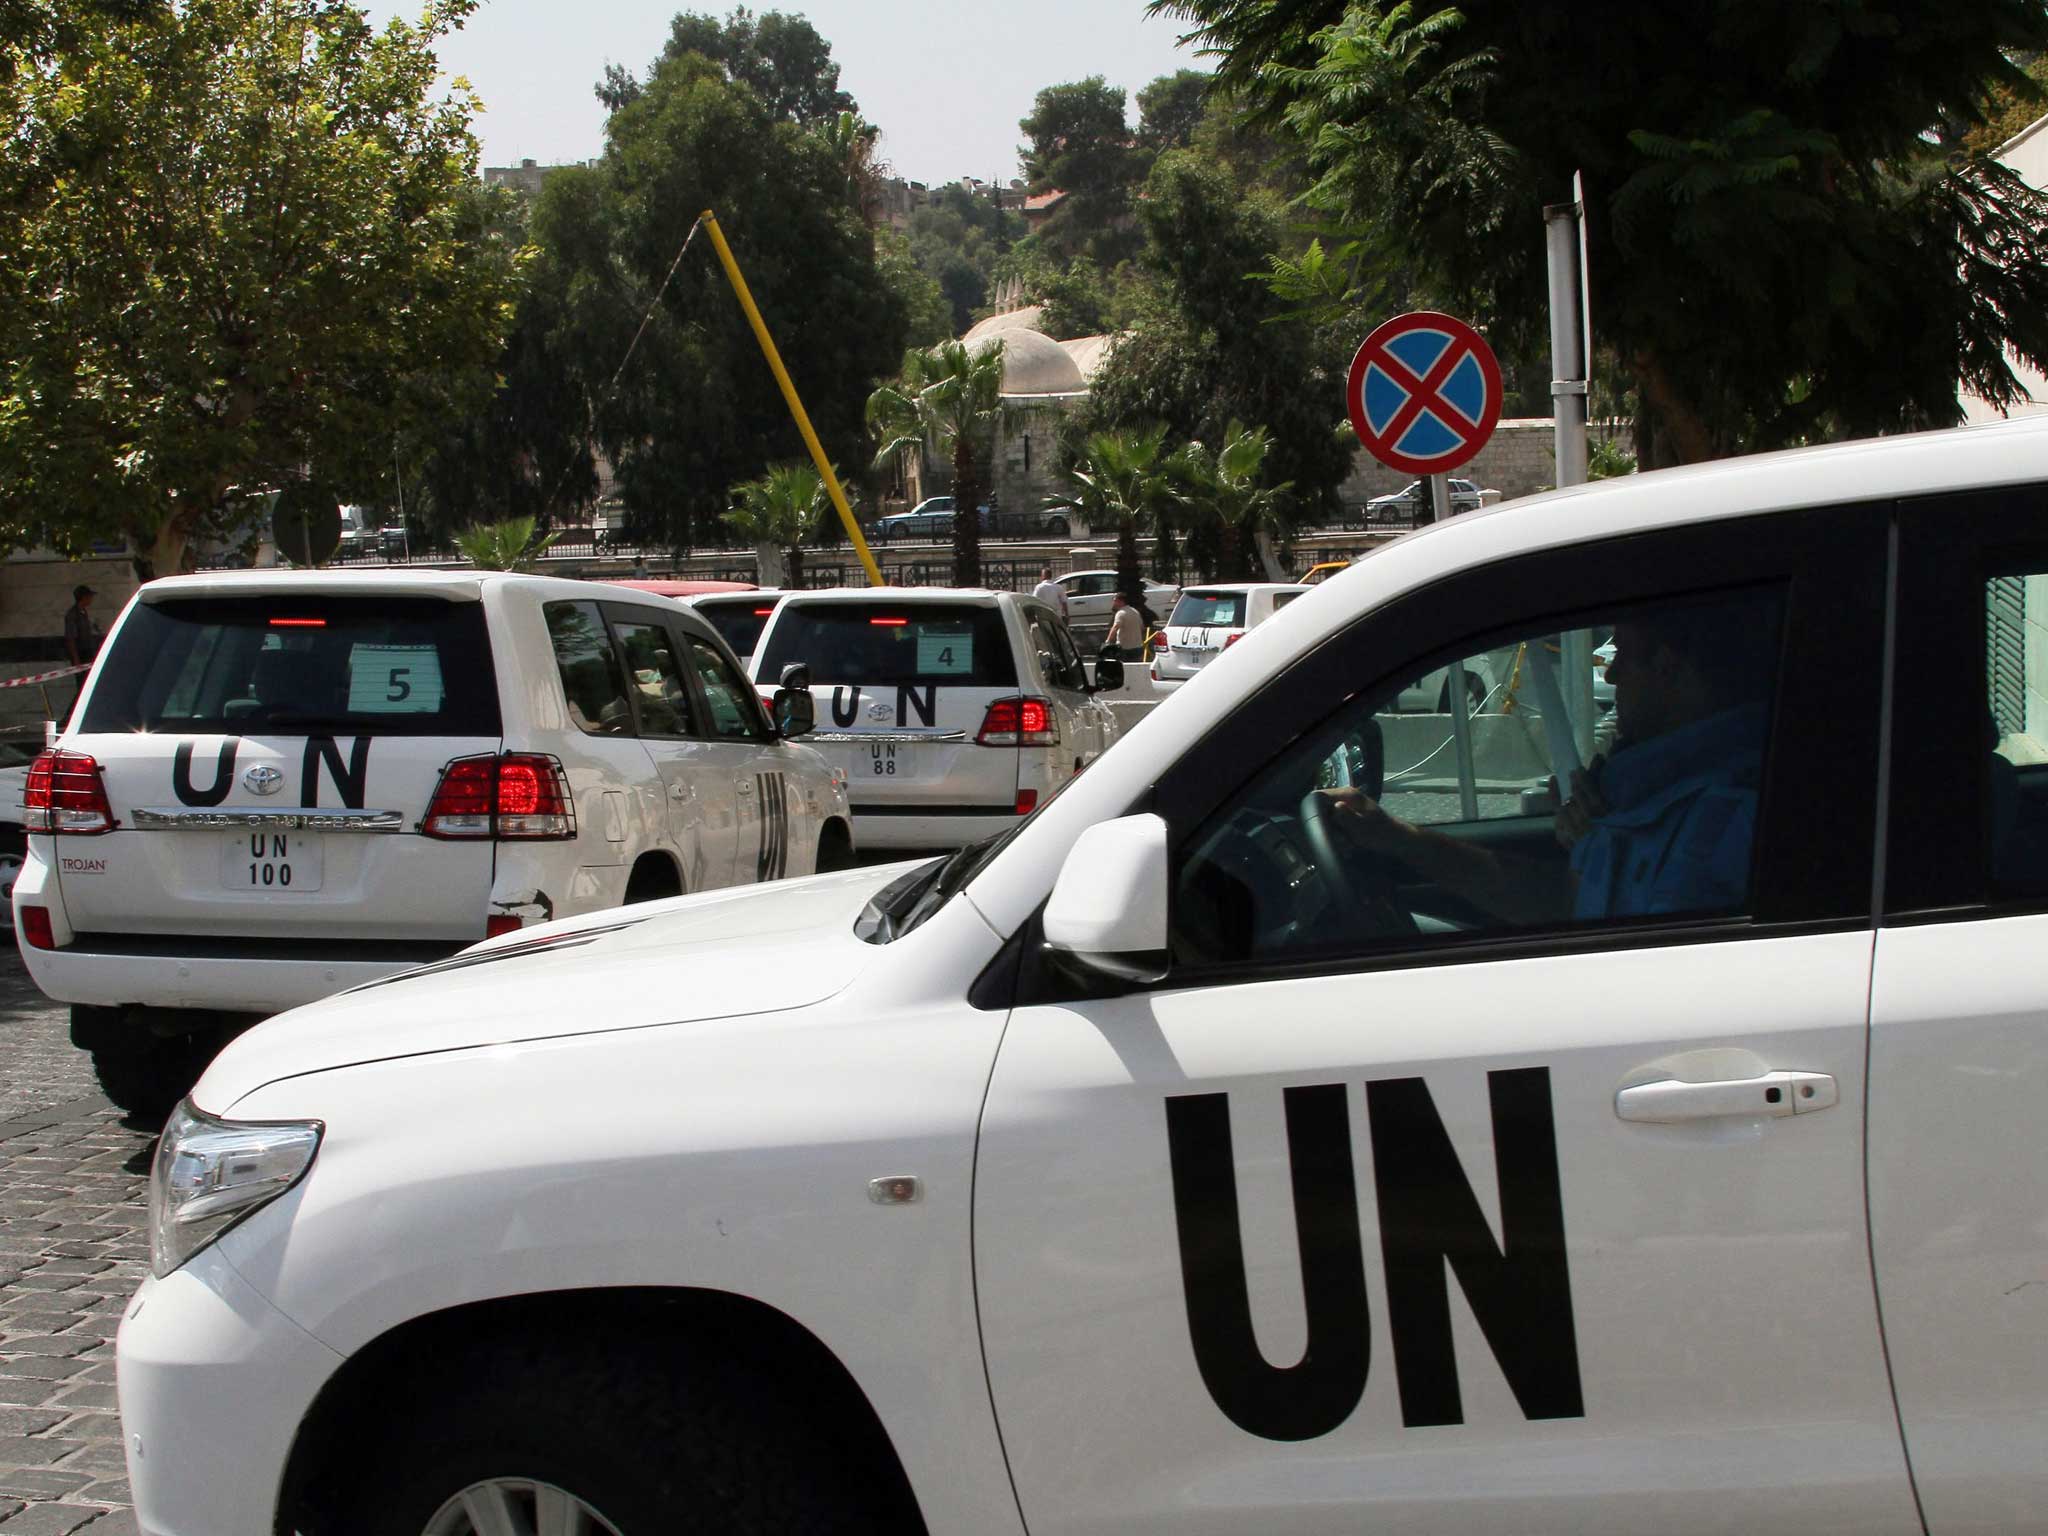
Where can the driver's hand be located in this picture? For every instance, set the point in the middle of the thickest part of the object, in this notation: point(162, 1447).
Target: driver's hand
point(1362, 819)
point(1576, 816)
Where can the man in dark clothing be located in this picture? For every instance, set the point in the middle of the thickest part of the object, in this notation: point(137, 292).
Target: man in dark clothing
point(81, 636)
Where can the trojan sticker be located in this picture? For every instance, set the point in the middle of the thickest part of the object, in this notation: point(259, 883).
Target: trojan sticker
point(1431, 1222)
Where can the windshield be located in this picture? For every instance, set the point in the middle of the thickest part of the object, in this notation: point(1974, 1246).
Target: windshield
point(739, 623)
point(886, 644)
point(382, 665)
point(1204, 610)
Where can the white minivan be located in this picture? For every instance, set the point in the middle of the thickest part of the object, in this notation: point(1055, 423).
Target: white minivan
point(952, 713)
point(280, 784)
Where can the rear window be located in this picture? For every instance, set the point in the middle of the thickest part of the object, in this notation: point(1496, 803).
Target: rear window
point(881, 644)
point(739, 624)
point(1201, 610)
point(279, 664)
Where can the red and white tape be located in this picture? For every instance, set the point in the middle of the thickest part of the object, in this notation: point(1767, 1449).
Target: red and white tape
point(46, 677)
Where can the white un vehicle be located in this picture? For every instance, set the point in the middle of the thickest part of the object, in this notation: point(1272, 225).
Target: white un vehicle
point(278, 785)
point(1283, 1131)
point(952, 713)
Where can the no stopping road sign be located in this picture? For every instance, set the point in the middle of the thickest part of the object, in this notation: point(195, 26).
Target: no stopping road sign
point(1424, 393)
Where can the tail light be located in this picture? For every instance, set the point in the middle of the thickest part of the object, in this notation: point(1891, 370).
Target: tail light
point(36, 932)
point(523, 795)
point(1025, 722)
point(1027, 801)
point(498, 924)
point(66, 794)
point(1232, 638)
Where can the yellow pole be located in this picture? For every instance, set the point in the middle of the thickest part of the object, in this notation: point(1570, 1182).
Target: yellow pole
point(796, 406)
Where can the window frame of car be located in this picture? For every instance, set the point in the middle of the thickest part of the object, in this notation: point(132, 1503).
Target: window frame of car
point(1067, 671)
point(1813, 860)
point(1936, 855)
point(690, 627)
point(617, 613)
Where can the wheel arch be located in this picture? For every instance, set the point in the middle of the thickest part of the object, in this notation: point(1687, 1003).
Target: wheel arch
point(675, 1328)
point(655, 874)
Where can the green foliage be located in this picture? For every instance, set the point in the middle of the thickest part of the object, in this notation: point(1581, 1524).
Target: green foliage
point(243, 240)
point(945, 401)
point(1606, 458)
point(1224, 488)
point(928, 317)
point(1789, 239)
point(959, 243)
point(1080, 144)
point(1171, 108)
point(781, 58)
point(511, 545)
point(1079, 298)
point(1122, 476)
point(785, 507)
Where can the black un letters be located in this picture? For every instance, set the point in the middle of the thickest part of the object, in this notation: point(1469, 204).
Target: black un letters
point(1519, 1290)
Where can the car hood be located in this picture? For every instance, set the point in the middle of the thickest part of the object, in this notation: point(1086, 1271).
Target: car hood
point(717, 955)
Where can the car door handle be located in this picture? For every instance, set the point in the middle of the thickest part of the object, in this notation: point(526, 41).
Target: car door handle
point(1668, 1101)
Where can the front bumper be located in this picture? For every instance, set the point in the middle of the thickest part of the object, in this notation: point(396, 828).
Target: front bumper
point(214, 1383)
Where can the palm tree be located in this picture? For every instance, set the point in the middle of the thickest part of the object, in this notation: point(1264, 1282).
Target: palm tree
point(1122, 475)
point(946, 401)
point(507, 546)
point(1224, 486)
point(784, 507)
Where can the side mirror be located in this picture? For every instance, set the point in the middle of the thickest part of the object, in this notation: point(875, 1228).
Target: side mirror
point(1107, 912)
point(1109, 671)
point(795, 711)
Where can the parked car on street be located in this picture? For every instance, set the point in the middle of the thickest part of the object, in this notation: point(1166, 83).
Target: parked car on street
point(357, 537)
point(277, 785)
point(394, 542)
point(1210, 619)
point(931, 518)
point(1273, 1133)
point(1412, 501)
point(1091, 596)
point(951, 713)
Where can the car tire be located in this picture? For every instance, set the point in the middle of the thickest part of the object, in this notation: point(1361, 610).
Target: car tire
point(144, 1073)
point(647, 1449)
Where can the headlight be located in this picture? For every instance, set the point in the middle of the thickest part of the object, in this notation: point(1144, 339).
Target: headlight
point(211, 1173)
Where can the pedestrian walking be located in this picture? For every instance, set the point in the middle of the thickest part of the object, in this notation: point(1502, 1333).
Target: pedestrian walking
point(1050, 591)
point(81, 637)
point(1126, 630)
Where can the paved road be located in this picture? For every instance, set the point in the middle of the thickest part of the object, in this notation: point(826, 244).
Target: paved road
point(72, 1250)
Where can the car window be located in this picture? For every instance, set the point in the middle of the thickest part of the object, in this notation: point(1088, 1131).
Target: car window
point(1424, 809)
point(287, 661)
point(1282, 599)
point(1201, 610)
point(654, 677)
point(739, 622)
point(735, 708)
point(1062, 663)
point(2016, 691)
point(889, 643)
point(592, 681)
point(1099, 584)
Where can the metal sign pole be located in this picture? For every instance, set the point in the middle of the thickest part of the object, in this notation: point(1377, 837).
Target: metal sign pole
point(1439, 497)
point(1567, 358)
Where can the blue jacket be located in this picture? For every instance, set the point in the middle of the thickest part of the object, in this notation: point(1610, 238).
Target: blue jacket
point(1680, 822)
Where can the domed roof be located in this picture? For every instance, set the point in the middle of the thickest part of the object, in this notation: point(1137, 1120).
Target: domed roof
point(1025, 319)
point(1033, 363)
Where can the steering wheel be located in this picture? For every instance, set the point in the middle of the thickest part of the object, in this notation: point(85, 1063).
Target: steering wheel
point(1369, 891)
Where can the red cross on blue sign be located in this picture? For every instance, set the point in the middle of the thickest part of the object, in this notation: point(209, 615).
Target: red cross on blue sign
point(1424, 393)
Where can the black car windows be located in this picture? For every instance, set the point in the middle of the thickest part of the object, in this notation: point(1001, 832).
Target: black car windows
point(654, 677)
point(734, 708)
point(592, 682)
point(284, 662)
point(890, 643)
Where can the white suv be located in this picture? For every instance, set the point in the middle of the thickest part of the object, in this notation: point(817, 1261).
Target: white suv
point(952, 713)
point(277, 785)
point(1208, 620)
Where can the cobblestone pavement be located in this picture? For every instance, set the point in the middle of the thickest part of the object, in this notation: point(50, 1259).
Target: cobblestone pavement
point(72, 1250)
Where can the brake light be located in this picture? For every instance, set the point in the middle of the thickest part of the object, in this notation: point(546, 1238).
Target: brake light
point(498, 924)
point(35, 928)
point(1232, 638)
point(1027, 801)
point(890, 623)
point(1024, 722)
point(298, 623)
point(762, 613)
point(523, 795)
point(66, 794)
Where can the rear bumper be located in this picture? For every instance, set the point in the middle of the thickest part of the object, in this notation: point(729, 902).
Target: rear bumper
point(955, 828)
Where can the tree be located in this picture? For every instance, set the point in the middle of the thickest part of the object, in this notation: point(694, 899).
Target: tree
point(697, 409)
point(959, 242)
point(1216, 347)
point(1226, 486)
point(511, 545)
point(945, 401)
point(1122, 475)
point(244, 244)
point(1080, 144)
point(785, 508)
point(782, 59)
point(1171, 108)
point(1788, 241)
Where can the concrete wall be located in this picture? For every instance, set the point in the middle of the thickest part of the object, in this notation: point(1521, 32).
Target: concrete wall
point(1516, 461)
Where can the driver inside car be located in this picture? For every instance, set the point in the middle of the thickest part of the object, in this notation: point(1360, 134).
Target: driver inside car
point(1665, 823)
